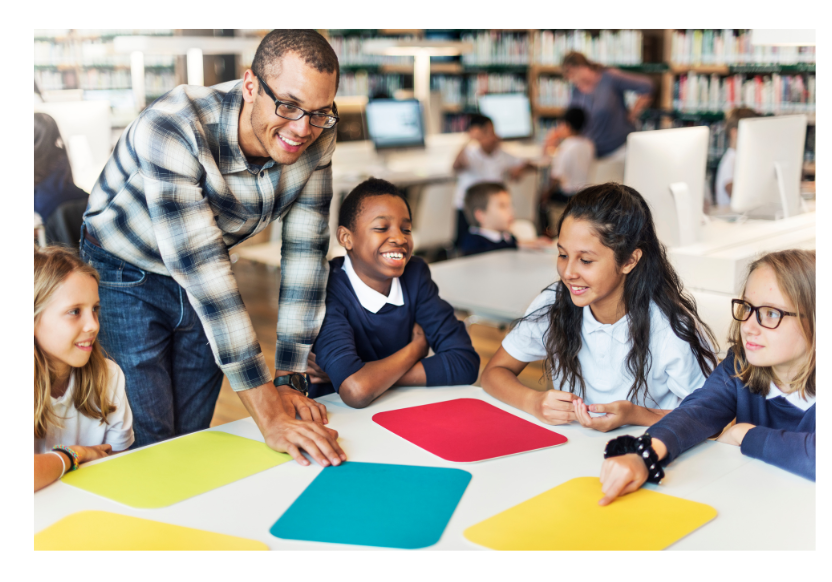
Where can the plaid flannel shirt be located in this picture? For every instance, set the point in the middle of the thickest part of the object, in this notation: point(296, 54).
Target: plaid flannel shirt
point(178, 192)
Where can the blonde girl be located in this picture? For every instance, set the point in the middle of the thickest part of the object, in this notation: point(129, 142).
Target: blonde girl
point(767, 382)
point(81, 411)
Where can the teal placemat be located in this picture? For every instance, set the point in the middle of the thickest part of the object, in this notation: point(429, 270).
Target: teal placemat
point(373, 504)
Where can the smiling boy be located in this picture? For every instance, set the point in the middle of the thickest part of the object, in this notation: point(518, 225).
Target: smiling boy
point(383, 311)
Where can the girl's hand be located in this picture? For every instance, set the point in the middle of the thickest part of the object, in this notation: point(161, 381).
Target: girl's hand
point(554, 407)
point(92, 453)
point(617, 414)
point(621, 475)
point(735, 434)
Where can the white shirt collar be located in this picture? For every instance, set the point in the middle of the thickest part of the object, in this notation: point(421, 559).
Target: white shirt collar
point(793, 398)
point(619, 330)
point(492, 235)
point(369, 298)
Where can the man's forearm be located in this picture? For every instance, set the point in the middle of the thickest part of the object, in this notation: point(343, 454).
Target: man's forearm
point(264, 404)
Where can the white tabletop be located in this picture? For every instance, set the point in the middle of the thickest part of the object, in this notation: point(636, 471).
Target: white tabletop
point(499, 285)
point(739, 488)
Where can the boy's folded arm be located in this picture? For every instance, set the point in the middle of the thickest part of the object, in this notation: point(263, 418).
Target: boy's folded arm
point(374, 378)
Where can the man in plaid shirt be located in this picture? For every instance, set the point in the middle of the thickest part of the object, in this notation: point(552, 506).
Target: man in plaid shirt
point(200, 170)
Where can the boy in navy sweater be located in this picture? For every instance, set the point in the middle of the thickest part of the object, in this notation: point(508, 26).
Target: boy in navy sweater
point(383, 311)
point(489, 210)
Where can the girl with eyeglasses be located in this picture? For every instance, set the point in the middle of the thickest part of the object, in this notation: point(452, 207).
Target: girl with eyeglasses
point(767, 382)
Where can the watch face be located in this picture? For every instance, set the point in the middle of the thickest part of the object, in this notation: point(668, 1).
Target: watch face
point(297, 382)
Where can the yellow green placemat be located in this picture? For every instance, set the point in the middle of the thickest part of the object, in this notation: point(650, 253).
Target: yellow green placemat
point(568, 517)
point(175, 470)
point(102, 530)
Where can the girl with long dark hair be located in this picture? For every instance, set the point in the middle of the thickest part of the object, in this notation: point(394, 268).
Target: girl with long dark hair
point(619, 335)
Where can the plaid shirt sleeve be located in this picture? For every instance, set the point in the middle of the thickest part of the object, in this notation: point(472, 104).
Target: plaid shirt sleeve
point(304, 269)
point(192, 248)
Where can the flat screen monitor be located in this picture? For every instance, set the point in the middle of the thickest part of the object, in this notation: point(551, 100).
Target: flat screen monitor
point(395, 124)
point(768, 166)
point(510, 112)
point(667, 167)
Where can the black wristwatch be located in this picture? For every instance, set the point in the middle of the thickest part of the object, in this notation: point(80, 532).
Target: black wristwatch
point(294, 381)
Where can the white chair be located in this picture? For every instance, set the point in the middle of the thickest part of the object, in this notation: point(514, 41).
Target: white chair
point(434, 217)
point(606, 170)
point(523, 230)
point(524, 195)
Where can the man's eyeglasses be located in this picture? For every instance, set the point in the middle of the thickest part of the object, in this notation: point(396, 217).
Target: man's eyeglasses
point(768, 317)
point(293, 112)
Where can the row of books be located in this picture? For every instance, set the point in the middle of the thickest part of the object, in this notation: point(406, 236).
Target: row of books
point(497, 48)
point(732, 47)
point(553, 91)
point(362, 84)
point(91, 53)
point(350, 52)
point(155, 82)
point(465, 91)
point(766, 94)
point(622, 47)
point(450, 87)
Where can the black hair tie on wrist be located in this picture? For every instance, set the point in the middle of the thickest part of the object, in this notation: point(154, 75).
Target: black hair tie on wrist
point(641, 446)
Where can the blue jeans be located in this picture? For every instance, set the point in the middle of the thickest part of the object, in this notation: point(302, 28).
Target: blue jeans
point(150, 329)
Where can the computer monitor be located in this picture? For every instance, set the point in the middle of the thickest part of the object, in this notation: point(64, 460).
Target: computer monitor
point(510, 112)
point(667, 167)
point(395, 124)
point(768, 166)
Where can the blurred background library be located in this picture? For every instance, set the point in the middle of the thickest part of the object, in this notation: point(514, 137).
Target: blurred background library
point(410, 100)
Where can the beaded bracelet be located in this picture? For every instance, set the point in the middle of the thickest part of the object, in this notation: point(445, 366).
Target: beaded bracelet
point(73, 455)
point(641, 446)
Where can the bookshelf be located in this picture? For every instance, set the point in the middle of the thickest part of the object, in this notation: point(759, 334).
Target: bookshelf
point(84, 59)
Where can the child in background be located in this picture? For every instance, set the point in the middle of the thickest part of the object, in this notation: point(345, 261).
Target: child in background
point(617, 331)
point(573, 155)
point(488, 208)
point(383, 311)
point(481, 161)
point(767, 382)
point(725, 171)
point(81, 410)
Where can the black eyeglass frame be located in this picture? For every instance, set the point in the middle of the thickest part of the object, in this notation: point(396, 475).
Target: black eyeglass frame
point(756, 310)
point(278, 103)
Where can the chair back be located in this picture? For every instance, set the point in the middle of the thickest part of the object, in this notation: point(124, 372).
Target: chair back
point(64, 224)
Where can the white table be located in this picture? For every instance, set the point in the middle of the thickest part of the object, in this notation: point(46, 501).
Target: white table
point(741, 489)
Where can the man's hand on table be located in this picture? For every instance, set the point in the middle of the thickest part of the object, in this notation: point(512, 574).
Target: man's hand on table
point(284, 433)
point(296, 404)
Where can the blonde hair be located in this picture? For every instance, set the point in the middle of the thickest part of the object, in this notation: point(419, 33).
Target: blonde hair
point(52, 266)
point(795, 273)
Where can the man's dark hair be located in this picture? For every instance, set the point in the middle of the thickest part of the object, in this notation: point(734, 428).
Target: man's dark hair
point(479, 120)
point(309, 45)
point(477, 197)
point(575, 118)
point(351, 206)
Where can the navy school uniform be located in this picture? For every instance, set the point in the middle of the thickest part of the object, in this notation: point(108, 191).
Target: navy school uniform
point(477, 241)
point(352, 335)
point(784, 433)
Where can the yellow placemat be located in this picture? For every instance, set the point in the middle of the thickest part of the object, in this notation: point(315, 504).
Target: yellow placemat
point(568, 517)
point(170, 472)
point(102, 530)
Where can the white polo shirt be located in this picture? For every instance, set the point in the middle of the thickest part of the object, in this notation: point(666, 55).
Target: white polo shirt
point(572, 162)
point(725, 174)
point(482, 167)
point(603, 357)
point(78, 429)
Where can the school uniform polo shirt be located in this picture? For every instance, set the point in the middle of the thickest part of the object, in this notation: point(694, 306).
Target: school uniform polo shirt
point(674, 373)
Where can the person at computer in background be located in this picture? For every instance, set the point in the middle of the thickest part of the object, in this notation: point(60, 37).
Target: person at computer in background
point(383, 311)
point(572, 155)
point(53, 175)
point(600, 92)
point(482, 159)
point(489, 210)
point(725, 171)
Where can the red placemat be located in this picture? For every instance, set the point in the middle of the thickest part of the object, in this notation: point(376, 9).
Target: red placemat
point(466, 430)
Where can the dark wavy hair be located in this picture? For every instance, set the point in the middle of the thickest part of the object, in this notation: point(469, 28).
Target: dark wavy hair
point(623, 223)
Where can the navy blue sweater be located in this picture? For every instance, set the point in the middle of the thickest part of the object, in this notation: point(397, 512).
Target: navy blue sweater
point(474, 244)
point(56, 189)
point(351, 335)
point(784, 435)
